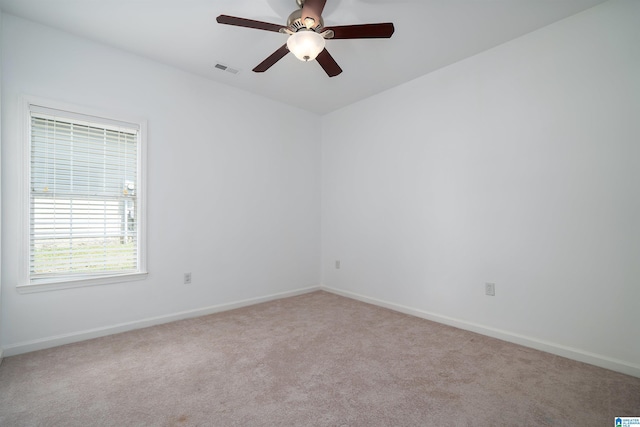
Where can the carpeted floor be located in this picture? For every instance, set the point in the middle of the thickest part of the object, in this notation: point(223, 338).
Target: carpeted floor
point(312, 360)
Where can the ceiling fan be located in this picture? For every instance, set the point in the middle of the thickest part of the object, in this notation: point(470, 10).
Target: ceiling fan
point(307, 35)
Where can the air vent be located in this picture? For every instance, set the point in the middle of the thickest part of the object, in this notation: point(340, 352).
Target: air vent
point(227, 68)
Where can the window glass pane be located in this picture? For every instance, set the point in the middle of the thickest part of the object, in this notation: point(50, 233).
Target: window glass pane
point(83, 198)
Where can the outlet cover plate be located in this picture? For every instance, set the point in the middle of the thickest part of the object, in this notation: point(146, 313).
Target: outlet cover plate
point(490, 289)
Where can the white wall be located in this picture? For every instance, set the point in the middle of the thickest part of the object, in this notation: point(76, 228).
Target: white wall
point(519, 166)
point(232, 197)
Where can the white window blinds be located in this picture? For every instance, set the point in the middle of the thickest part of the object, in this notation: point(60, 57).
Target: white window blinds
point(84, 204)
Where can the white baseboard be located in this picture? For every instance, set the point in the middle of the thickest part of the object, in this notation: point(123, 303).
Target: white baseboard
point(549, 347)
point(41, 344)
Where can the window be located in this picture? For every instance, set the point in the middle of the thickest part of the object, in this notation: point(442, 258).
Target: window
point(85, 210)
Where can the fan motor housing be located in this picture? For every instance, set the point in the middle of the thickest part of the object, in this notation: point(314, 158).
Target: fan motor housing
point(294, 22)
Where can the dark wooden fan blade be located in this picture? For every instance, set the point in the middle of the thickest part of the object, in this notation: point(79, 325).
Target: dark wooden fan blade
point(382, 30)
point(328, 64)
point(248, 23)
point(313, 9)
point(272, 59)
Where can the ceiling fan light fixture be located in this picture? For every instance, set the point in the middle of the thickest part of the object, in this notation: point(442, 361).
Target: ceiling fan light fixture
point(305, 44)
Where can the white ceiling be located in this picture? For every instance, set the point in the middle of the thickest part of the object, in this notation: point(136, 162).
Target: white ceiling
point(429, 34)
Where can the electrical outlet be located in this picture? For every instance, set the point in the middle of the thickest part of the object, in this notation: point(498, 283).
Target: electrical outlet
point(490, 289)
point(337, 264)
point(187, 278)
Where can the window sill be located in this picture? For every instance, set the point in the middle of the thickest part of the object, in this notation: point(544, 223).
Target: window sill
point(69, 284)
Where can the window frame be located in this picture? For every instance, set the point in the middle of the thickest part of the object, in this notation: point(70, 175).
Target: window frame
point(75, 112)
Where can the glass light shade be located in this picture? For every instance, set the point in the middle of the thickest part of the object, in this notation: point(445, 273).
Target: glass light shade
point(305, 44)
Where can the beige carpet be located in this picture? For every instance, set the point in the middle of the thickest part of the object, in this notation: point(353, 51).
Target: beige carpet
point(312, 360)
